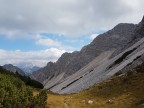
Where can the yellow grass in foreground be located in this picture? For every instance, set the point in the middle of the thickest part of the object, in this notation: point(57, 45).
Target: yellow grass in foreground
point(117, 92)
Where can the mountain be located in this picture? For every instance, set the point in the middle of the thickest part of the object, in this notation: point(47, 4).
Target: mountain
point(27, 67)
point(119, 49)
point(35, 68)
point(29, 70)
point(69, 63)
point(13, 69)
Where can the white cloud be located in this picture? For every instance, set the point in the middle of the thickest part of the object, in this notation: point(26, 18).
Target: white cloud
point(68, 17)
point(27, 18)
point(48, 42)
point(38, 58)
point(93, 36)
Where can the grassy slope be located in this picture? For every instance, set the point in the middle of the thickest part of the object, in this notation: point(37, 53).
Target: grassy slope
point(125, 91)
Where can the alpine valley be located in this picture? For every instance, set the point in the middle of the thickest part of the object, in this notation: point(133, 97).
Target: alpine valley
point(107, 73)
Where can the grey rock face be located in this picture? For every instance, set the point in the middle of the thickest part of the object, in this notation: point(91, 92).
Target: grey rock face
point(106, 55)
point(13, 69)
point(127, 59)
point(69, 63)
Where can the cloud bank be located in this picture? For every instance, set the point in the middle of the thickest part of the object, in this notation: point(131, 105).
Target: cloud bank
point(37, 58)
point(67, 17)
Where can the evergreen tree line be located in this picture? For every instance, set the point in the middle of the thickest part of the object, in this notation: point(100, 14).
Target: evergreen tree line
point(14, 93)
point(28, 81)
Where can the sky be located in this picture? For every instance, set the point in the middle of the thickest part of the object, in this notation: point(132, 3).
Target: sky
point(38, 31)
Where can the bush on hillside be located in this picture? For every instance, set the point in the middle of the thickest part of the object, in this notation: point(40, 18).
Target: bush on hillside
point(14, 93)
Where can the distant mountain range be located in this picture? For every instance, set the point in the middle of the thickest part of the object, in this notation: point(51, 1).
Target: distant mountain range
point(28, 68)
point(119, 49)
point(14, 69)
point(25, 69)
point(31, 70)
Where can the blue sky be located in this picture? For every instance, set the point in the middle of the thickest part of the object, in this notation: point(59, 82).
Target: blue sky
point(38, 49)
point(36, 32)
point(18, 44)
point(26, 44)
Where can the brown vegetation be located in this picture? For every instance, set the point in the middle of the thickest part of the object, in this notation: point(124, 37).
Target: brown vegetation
point(123, 91)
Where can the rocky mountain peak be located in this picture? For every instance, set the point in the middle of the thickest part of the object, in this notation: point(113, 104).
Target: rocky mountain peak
point(13, 69)
point(8, 65)
point(49, 64)
point(140, 29)
point(142, 20)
